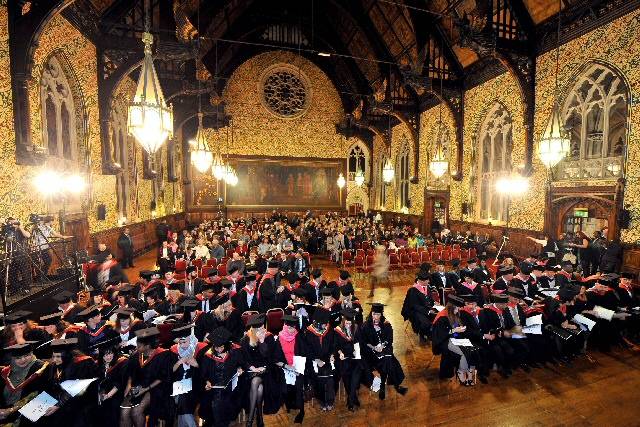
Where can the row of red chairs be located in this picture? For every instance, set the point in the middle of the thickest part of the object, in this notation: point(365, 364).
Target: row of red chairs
point(212, 264)
point(406, 259)
point(275, 321)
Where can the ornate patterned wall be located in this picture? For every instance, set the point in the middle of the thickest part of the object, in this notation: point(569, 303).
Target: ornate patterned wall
point(18, 197)
point(615, 44)
point(260, 132)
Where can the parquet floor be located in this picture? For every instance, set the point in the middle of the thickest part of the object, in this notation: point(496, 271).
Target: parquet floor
point(604, 393)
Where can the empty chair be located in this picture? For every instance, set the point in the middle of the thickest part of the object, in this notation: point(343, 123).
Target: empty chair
point(415, 258)
point(181, 265)
point(197, 263)
point(222, 270)
point(394, 262)
point(425, 256)
point(360, 253)
point(212, 262)
point(347, 257)
point(274, 320)
point(405, 260)
point(358, 263)
point(246, 315)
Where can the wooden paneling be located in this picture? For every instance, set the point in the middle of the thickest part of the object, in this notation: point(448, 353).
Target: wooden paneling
point(199, 216)
point(631, 259)
point(518, 243)
point(142, 233)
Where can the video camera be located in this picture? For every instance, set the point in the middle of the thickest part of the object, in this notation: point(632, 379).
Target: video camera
point(36, 218)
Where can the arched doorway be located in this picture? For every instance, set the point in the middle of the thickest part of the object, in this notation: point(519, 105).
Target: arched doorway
point(355, 209)
point(436, 208)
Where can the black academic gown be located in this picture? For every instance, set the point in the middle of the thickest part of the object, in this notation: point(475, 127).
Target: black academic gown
point(266, 292)
point(87, 337)
point(144, 371)
point(20, 394)
point(186, 403)
point(351, 369)
point(321, 346)
point(474, 289)
point(265, 354)
point(241, 304)
point(417, 309)
point(220, 405)
point(108, 414)
point(73, 411)
point(384, 362)
point(493, 321)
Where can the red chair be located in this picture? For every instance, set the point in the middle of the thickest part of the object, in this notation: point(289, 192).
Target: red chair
point(181, 265)
point(180, 276)
point(439, 248)
point(347, 257)
point(435, 296)
point(246, 315)
point(415, 258)
point(360, 253)
point(274, 320)
point(394, 262)
point(358, 263)
point(224, 260)
point(455, 254)
point(230, 253)
point(445, 256)
point(371, 252)
point(197, 263)
point(212, 262)
point(405, 260)
point(464, 254)
point(411, 250)
point(456, 246)
point(402, 251)
point(369, 262)
point(366, 245)
point(473, 253)
point(222, 270)
point(425, 256)
point(421, 249)
point(204, 273)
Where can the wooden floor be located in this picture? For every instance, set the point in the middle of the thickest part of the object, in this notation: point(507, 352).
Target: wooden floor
point(604, 393)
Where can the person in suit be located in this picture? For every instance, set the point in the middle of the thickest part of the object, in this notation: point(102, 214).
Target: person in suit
point(299, 265)
point(439, 278)
point(162, 232)
point(125, 243)
point(192, 284)
point(166, 257)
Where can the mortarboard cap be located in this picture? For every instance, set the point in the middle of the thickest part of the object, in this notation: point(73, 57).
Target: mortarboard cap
point(290, 320)
point(273, 264)
point(90, 312)
point(191, 269)
point(344, 275)
point(500, 298)
point(147, 335)
point(422, 275)
point(225, 283)
point(467, 273)
point(455, 300)
point(124, 313)
point(627, 275)
point(20, 316)
point(300, 293)
point(220, 336)
point(321, 316)
point(63, 297)
point(181, 332)
point(107, 344)
point(63, 344)
point(468, 298)
point(256, 321)
point(515, 292)
point(18, 350)
point(221, 300)
point(189, 305)
point(349, 313)
point(377, 307)
point(50, 319)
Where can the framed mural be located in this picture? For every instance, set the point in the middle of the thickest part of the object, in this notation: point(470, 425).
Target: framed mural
point(279, 182)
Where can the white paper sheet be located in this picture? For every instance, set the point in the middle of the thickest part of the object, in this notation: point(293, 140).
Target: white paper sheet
point(289, 376)
point(234, 381)
point(519, 336)
point(548, 293)
point(315, 366)
point(461, 342)
point(76, 387)
point(149, 314)
point(534, 320)
point(375, 385)
point(438, 307)
point(356, 351)
point(533, 329)
point(36, 408)
point(299, 363)
point(583, 320)
point(133, 342)
point(183, 386)
point(603, 313)
point(158, 320)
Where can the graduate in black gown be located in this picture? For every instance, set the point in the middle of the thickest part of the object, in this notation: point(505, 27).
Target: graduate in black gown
point(267, 288)
point(494, 324)
point(112, 379)
point(567, 336)
point(350, 363)
point(263, 380)
point(184, 355)
point(418, 306)
point(377, 348)
point(292, 343)
point(96, 329)
point(21, 381)
point(247, 298)
point(449, 325)
point(470, 319)
point(301, 308)
point(320, 345)
point(67, 363)
point(219, 363)
point(149, 383)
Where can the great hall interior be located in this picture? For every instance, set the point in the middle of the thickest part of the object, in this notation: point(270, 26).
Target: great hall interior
point(206, 205)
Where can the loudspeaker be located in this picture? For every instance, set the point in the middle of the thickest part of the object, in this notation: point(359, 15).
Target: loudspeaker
point(465, 208)
point(153, 205)
point(102, 212)
point(624, 219)
point(409, 204)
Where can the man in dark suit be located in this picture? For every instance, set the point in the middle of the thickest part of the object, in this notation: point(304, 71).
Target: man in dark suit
point(440, 278)
point(166, 257)
point(162, 231)
point(125, 243)
point(299, 265)
point(192, 284)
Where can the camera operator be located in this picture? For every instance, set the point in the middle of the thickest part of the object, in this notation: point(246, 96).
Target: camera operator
point(43, 232)
point(16, 246)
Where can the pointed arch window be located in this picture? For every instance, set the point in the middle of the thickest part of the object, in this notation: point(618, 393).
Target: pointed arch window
point(402, 180)
point(382, 187)
point(596, 117)
point(58, 111)
point(494, 162)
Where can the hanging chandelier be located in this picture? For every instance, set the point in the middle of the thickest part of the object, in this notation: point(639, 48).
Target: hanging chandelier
point(201, 156)
point(439, 164)
point(555, 143)
point(218, 168)
point(230, 176)
point(150, 120)
point(387, 171)
point(359, 177)
point(341, 181)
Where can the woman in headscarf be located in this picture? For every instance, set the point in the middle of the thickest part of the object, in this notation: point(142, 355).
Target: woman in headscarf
point(185, 367)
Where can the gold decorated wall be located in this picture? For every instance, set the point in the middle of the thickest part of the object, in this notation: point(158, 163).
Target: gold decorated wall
point(18, 197)
point(616, 45)
point(259, 132)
